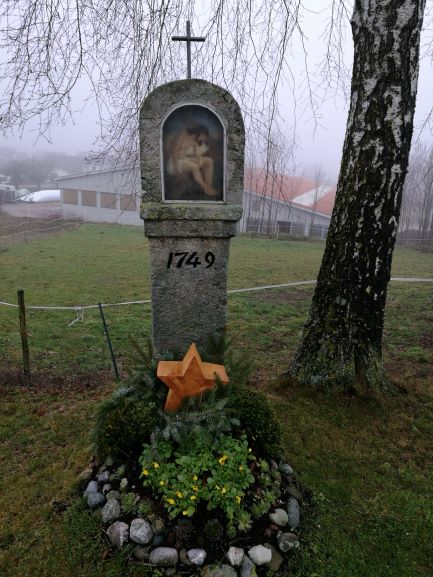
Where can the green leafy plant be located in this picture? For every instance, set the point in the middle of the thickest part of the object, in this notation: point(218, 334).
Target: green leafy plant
point(217, 473)
point(129, 502)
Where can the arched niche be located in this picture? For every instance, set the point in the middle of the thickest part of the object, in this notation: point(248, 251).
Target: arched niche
point(193, 150)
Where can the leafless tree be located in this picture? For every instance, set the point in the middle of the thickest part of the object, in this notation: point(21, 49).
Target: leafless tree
point(119, 50)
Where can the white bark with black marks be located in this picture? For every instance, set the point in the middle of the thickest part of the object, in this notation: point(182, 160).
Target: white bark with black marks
point(342, 343)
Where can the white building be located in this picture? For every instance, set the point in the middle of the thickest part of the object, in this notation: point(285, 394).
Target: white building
point(278, 205)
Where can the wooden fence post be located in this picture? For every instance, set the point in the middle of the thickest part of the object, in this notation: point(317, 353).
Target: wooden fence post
point(24, 335)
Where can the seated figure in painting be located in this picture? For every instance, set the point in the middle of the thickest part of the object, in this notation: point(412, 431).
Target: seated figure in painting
point(187, 156)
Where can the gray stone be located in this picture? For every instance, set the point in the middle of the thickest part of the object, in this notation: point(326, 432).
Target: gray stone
point(118, 533)
point(293, 512)
point(92, 487)
point(276, 560)
point(140, 531)
point(286, 469)
point(170, 571)
point(197, 556)
point(111, 511)
point(164, 557)
point(103, 477)
point(95, 500)
point(248, 569)
point(235, 555)
point(218, 571)
point(106, 488)
point(295, 492)
point(287, 541)
point(260, 555)
point(85, 475)
point(279, 517)
point(142, 553)
point(196, 228)
point(112, 495)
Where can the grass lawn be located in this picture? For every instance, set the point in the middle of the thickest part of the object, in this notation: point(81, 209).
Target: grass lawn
point(367, 464)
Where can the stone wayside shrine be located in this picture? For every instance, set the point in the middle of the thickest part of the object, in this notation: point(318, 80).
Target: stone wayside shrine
point(192, 166)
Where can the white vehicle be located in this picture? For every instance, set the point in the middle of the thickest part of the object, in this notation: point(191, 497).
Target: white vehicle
point(42, 196)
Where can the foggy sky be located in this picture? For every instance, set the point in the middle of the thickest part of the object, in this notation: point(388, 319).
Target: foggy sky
point(319, 132)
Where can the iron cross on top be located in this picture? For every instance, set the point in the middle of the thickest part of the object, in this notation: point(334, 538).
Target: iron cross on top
point(188, 39)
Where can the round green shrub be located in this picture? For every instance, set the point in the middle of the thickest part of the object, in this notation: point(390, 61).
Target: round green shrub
point(123, 425)
point(259, 420)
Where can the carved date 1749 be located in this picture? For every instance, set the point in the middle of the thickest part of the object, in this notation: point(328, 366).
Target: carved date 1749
point(184, 258)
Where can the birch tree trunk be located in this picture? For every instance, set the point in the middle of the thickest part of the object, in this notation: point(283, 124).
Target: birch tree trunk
point(341, 347)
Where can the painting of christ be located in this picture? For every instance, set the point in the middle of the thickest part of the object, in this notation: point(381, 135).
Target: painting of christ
point(193, 155)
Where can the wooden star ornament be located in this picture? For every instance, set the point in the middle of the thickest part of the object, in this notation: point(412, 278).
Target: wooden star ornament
point(188, 377)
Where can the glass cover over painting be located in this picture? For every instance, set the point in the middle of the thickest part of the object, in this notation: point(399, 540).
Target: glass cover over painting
point(193, 155)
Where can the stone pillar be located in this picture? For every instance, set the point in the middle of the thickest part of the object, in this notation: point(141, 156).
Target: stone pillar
point(192, 144)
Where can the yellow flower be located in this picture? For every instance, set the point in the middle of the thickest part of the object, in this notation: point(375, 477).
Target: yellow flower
point(162, 483)
point(171, 501)
point(155, 465)
point(194, 477)
point(194, 488)
point(249, 450)
point(193, 497)
point(237, 499)
point(223, 490)
point(223, 459)
point(217, 487)
point(145, 472)
point(179, 494)
point(184, 512)
point(241, 467)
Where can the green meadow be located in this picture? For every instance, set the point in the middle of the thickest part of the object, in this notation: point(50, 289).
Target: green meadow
point(365, 464)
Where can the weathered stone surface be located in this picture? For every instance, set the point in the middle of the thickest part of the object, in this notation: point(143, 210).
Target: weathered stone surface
point(92, 487)
point(235, 556)
point(295, 492)
point(286, 469)
point(181, 293)
point(103, 477)
point(112, 495)
point(276, 560)
point(162, 101)
point(106, 488)
point(85, 475)
point(197, 556)
point(164, 557)
point(118, 533)
point(293, 512)
point(287, 541)
point(279, 517)
point(111, 511)
point(140, 531)
point(95, 500)
point(177, 290)
point(218, 571)
point(248, 569)
point(260, 555)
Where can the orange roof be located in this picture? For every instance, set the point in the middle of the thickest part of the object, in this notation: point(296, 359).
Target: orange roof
point(294, 189)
